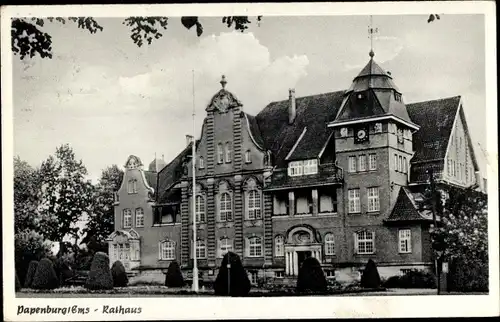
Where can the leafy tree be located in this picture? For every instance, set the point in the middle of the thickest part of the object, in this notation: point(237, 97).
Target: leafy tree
point(101, 218)
point(311, 277)
point(66, 195)
point(29, 245)
point(29, 39)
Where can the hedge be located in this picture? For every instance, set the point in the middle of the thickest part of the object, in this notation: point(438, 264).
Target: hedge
point(45, 276)
point(100, 277)
point(120, 278)
point(30, 273)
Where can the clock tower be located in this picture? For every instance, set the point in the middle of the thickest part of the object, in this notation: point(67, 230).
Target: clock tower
point(373, 141)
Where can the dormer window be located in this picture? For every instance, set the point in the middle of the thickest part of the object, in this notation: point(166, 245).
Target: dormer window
point(305, 167)
point(397, 97)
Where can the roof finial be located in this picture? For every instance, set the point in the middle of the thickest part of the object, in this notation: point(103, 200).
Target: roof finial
point(371, 31)
point(223, 82)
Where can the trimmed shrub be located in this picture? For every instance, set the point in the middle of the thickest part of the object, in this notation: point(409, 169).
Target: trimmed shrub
point(100, 277)
point(370, 277)
point(239, 284)
point(63, 270)
point(412, 279)
point(174, 277)
point(45, 276)
point(120, 278)
point(311, 277)
point(18, 284)
point(30, 274)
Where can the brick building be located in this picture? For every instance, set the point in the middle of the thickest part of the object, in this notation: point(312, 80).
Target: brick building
point(337, 176)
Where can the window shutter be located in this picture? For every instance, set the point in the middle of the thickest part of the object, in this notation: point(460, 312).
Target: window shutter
point(355, 238)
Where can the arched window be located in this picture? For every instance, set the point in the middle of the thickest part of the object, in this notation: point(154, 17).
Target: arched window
point(200, 208)
point(127, 218)
point(329, 244)
point(225, 245)
point(139, 217)
point(279, 246)
point(228, 151)
point(225, 207)
point(201, 163)
point(167, 250)
point(253, 205)
point(248, 156)
point(254, 247)
point(201, 249)
point(220, 153)
point(132, 186)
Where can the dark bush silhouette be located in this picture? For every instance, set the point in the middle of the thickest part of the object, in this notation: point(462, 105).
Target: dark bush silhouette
point(30, 273)
point(370, 277)
point(311, 277)
point(239, 284)
point(174, 276)
point(468, 276)
point(120, 278)
point(18, 284)
point(63, 270)
point(100, 277)
point(45, 276)
point(412, 279)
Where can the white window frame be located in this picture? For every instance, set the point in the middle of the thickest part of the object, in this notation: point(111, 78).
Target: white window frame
point(226, 212)
point(372, 161)
point(201, 163)
point(127, 218)
point(220, 153)
point(365, 238)
point(132, 186)
point(310, 166)
point(295, 168)
point(201, 249)
point(248, 156)
point(224, 245)
point(405, 165)
point(353, 160)
point(354, 201)
point(200, 208)
point(228, 151)
point(279, 246)
point(396, 162)
point(329, 244)
point(404, 240)
point(254, 246)
point(373, 199)
point(139, 217)
point(254, 205)
point(166, 250)
point(362, 163)
point(400, 163)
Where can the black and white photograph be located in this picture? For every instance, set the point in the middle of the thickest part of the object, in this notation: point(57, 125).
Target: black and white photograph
point(331, 158)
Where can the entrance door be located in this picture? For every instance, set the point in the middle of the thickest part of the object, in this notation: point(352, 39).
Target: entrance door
point(302, 255)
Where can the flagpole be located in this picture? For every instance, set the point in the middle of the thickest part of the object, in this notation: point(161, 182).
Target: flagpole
point(193, 163)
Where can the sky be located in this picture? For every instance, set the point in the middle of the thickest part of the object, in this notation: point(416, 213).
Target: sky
point(109, 99)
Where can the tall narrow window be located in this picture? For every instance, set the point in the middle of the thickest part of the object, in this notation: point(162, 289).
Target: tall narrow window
point(225, 245)
point(295, 168)
point(225, 207)
point(132, 186)
point(396, 162)
point(400, 164)
point(354, 205)
point(220, 153)
point(254, 248)
point(248, 156)
point(352, 164)
point(167, 250)
point(362, 162)
point(228, 151)
point(201, 163)
point(372, 163)
point(127, 218)
point(139, 217)
point(279, 246)
point(201, 249)
point(200, 209)
point(373, 199)
point(329, 244)
point(405, 241)
point(253, 205)
point(365, 242)
point(404, 165)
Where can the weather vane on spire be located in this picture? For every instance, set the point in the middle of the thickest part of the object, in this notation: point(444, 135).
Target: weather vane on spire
point(371, 31)
point(223, 82)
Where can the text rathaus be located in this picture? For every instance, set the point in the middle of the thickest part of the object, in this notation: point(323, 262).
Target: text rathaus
point(337, 176)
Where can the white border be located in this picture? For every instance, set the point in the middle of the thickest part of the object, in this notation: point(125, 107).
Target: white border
point(243, 308)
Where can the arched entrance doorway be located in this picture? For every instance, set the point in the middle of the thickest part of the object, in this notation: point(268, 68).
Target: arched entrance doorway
point(301, 242)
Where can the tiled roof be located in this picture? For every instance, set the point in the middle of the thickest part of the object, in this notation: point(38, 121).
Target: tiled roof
point(313, 112)
point(406, 209)
point(170, 175)
point(254, 129)
point(435, 119)
point(151, 178)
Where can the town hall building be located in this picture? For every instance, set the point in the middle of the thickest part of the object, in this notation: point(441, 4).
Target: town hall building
point(337, 176)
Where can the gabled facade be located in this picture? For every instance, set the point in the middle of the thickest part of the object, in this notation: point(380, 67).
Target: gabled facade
point(337, 176)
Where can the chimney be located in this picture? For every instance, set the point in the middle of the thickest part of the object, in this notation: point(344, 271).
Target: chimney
point(189, 139)
point(292, 112)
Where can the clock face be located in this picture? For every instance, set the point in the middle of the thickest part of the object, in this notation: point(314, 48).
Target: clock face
point(361, 134)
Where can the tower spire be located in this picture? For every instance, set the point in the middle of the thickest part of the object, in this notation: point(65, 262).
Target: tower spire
point(371, 31)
